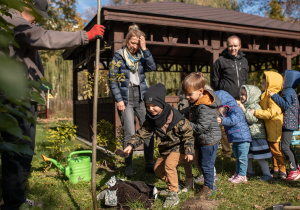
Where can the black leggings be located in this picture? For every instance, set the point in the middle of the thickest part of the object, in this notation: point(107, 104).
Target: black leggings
point(286, 148)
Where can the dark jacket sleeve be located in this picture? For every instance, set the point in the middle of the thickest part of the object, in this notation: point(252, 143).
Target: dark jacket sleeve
point(113, 84)
point(149, 64)
point(215, 75)
point(285, 102)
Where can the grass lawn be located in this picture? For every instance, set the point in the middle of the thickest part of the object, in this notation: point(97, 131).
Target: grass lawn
point(55, 191)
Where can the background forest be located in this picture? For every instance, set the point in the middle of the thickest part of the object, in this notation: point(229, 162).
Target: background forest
point(64, 17)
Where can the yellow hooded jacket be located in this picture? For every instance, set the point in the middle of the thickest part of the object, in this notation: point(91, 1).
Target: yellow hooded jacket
point(271, 113)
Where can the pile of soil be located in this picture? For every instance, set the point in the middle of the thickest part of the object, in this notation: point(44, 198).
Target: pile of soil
point(129, 192)
point(198, 204)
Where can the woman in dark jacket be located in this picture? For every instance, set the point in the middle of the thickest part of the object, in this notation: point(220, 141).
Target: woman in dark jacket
point(135, 59)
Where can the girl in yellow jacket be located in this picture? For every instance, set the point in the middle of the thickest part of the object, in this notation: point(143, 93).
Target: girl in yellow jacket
point(273, 118)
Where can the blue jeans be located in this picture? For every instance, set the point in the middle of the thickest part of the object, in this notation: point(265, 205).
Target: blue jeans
point(207, 157)
point(240, 151)
point(135, 107)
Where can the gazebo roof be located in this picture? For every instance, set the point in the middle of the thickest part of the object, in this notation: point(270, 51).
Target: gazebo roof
point(210, 14)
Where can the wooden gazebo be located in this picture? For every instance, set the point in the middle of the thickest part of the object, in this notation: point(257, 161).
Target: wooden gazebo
point(185, 35)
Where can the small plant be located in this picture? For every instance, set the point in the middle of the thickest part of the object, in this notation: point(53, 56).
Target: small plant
point(106, 139)
point(59, 137)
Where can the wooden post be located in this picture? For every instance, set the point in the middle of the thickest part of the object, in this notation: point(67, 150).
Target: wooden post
point(95, 109)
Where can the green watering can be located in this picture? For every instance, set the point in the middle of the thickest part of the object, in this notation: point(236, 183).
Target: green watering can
point(78, 169)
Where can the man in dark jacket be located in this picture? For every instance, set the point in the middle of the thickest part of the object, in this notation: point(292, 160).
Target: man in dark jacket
point(31, 38)
point(229, 73)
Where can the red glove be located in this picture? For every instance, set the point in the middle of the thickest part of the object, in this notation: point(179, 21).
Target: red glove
point(96, 32)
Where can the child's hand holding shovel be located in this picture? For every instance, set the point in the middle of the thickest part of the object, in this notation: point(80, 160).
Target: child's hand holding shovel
point(124, 153)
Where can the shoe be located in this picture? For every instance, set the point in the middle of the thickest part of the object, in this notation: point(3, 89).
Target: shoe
point(281, 175)
point(166, 191)
point(200, 179)
point(239, 179)
point(206, 192)
point(128, 171)
point(232, 177)
point(293, 176)
point(266, 178)
point(171, 200)
point(34, 203)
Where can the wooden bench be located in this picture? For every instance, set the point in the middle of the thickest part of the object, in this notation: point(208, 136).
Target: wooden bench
point(295, 141)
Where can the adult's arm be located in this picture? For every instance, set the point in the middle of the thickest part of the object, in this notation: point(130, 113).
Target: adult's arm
point(32, 36)
point(149, 63)
point(215, 75)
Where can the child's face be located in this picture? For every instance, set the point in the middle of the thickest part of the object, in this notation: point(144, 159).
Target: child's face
point(153, 109)
point(243, 95)
point(263, 84)
point(193, 95)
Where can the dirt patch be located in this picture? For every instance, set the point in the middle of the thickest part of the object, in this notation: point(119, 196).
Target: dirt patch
point(199, 204)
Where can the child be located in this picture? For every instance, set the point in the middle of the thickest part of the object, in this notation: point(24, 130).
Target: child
point(289, 104)
point(273, 117)
point(233, 119)
point(207, 132)
point(259, 149)
point(175, 135)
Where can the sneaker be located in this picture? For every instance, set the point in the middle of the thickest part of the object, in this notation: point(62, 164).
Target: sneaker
point(266, 178)
point(232, 177)
point(281, 175)
point(200, 179)
point(293, 176)
point(34, 203)
point(171, 200)
point(239, 179)
point(128, 171)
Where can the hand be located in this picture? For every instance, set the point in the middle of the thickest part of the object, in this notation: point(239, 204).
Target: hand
point(96, 32)
point(270, 93)
point(188, 158)
point(242, 106)
point(219, 120)
point(128, 149)
point(142, 43)
point(252, 111)
point(121, 106)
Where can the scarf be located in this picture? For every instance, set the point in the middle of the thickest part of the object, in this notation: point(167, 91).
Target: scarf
point(132, 61)
point(160, 120)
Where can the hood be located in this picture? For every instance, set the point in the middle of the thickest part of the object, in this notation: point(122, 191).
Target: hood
point(225, 53)
point(253, 94)
point(274, 81)
point(291, 79)
point(226, 98)
point(209, 98)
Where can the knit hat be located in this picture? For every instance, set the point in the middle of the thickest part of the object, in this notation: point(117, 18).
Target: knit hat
point(156, 95)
